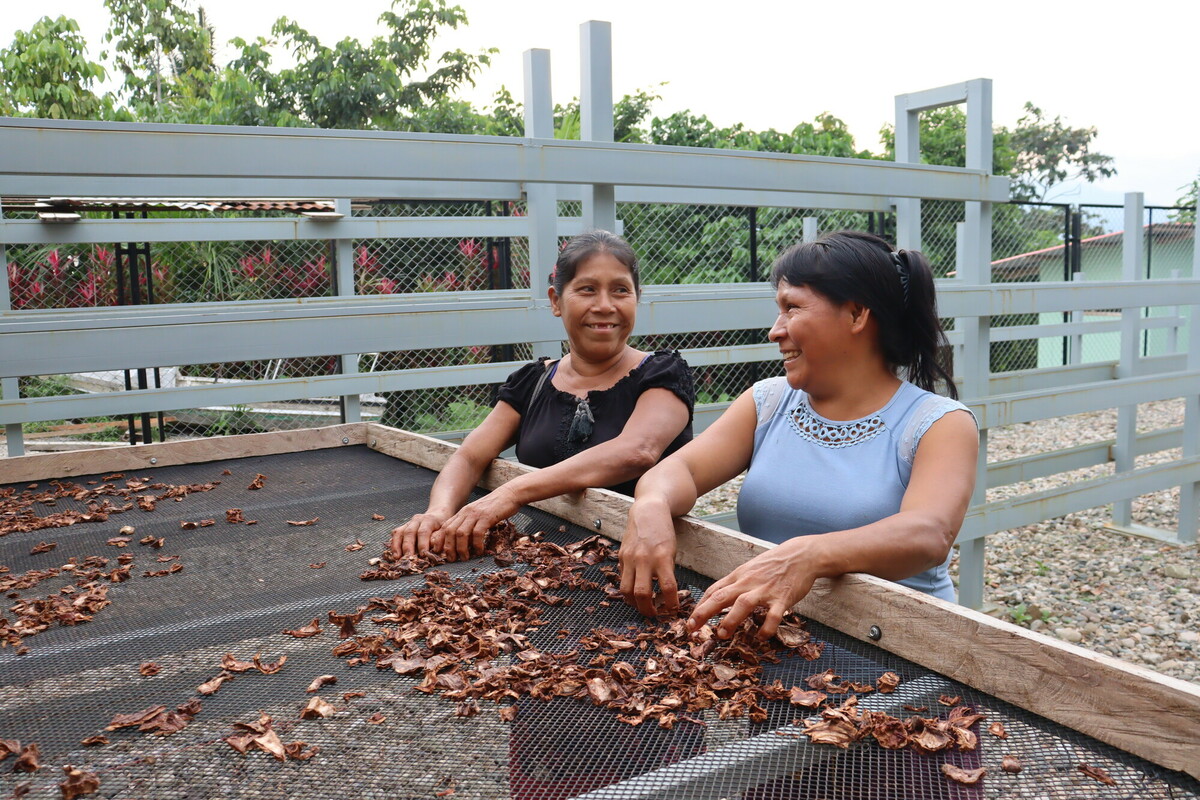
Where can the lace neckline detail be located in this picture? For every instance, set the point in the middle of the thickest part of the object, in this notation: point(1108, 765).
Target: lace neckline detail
point(811, 427)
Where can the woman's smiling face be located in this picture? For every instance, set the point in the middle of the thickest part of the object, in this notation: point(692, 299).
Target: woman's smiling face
point(599, 305)
point(810, 331)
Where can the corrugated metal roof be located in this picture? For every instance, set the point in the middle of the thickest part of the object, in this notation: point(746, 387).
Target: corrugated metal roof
point(167, 204)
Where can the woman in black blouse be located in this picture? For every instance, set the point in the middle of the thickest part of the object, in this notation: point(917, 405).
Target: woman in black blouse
point(600, 416)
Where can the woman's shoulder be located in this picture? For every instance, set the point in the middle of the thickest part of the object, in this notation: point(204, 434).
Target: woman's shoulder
point(665, 369)
point(924, 409)
point(519, 387)
point(771, 394)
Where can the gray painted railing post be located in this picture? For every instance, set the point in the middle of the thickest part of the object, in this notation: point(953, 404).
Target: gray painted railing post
point(1132, 244)
point(541, 199)
point(1077, 315)
point(908, 150)
point(10, 388)
point(343, 265)
point(1189, 493)
point(809, 230)
point(975, 267)
point(596, 116)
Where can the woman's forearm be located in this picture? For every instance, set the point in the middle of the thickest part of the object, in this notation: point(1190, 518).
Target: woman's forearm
point(605, 464)
point(454, 484)
point(893, 548)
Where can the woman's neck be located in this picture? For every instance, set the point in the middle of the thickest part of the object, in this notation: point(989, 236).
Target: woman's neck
point(591, 368)
point(854, 393)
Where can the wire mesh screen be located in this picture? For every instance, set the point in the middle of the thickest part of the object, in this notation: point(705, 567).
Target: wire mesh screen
point(163, 638)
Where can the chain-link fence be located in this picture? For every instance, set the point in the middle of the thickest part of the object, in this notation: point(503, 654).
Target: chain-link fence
point(676, 243)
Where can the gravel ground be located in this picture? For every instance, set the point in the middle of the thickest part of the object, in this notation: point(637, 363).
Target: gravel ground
point(1126, 596)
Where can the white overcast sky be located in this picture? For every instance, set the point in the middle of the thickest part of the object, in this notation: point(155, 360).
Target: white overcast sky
point(1128, 69)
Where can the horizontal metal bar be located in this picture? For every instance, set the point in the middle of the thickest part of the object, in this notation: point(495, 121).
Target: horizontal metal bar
point(1027, 509)
point(1029, 380)
point(995, 299)
point(1027, 468)
point(118, 159)
point(1011, 409)
point(737, 197)
point(949, 95)
point(1012, 333)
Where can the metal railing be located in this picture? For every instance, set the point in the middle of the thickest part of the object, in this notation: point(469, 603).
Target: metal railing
point(424, 353)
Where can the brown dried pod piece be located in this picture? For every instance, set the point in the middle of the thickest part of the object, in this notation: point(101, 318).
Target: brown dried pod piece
point(258, 482)
point(43, 547)
point(963, 776)
point(467, 708)
point(807, 699)
point(376, 719)
point(189, 526)
point(303, 632)
point(303, 522)
point(148, 669)
point(792, 635)
point(165, 559)
point(234, 516)
point(378, 517)
point(147, 502)
point(318, 565)
point(153, 541)
point(997, 729)
point(1011, 764)
point(159, 573)
point(947, 700)
point(226, 472)
point(211, 686)
point(79, 783)
point(358, 545)
point(319, 681)
point(93, 741)
point(347, 622)
point(22, 789)
point(125, 558)
point(119, 541)
point(348, 696)
point(136, 718)
point(207, 523)
point(887, 682)
point(508, 713)
point(9, 747)
point(317, 709)
point(29, 759)
point(297, 752)
point(1096, 774)
point(231, 664)
point(916, 709)
point(268, 669)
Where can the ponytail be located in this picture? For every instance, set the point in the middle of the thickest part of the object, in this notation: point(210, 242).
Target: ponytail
point(852, 266)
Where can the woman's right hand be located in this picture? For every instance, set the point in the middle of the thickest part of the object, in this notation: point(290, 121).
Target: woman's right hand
point(412, 538)
point(647, 554)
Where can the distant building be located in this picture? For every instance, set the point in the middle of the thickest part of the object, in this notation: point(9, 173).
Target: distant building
point(1169, 249)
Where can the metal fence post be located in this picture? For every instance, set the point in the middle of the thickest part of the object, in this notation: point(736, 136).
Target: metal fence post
point(975, 268)
point(10, 388)
point(908, 150)
point(343, 266)
point(1077, 315)
point(1131, 262)
point(1189, 493)
point(808, 230)
point(596, 116)
point(541, 199)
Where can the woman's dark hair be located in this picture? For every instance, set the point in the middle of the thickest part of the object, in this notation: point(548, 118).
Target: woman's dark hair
point(579, 249)
point(852, 266)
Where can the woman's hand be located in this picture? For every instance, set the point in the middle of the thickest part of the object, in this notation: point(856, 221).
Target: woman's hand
point(412, 538)
point(647, 554)
point(464, 534)
point(775, 580)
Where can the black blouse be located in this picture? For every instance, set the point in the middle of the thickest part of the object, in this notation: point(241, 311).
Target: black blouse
point(546, 419)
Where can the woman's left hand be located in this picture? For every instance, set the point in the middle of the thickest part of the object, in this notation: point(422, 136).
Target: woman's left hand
point(775, 580)
point(464, 535)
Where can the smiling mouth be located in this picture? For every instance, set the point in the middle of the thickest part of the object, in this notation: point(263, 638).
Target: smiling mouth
point(602, 326)
point(788, 355)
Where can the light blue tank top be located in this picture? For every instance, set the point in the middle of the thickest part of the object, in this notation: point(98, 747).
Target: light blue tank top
point(811, 475)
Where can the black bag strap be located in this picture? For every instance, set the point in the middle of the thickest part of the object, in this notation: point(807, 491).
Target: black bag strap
point(542, 380)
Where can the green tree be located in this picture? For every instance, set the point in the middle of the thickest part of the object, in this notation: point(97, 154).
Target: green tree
point(45, 72)
point(1189, 198)
point(157, 45)
point(1048, 152)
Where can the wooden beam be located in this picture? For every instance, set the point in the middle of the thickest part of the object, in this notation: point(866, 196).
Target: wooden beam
point(1138, 710)
point(164, 454)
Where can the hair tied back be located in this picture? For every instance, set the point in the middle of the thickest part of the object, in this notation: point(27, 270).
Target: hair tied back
point(901, 265)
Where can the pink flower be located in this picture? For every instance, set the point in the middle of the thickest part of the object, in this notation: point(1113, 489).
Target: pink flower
point(56, 264)
point(386, 286)
point(103, 255)
point(267, 258)
point(160, 272)
point(365, 260)
point(87, 289)
point(469, 248)
point(451, 281)
point(248, 266)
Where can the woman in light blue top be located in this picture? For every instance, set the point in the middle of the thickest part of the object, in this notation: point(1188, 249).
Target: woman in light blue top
point(853, 463)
